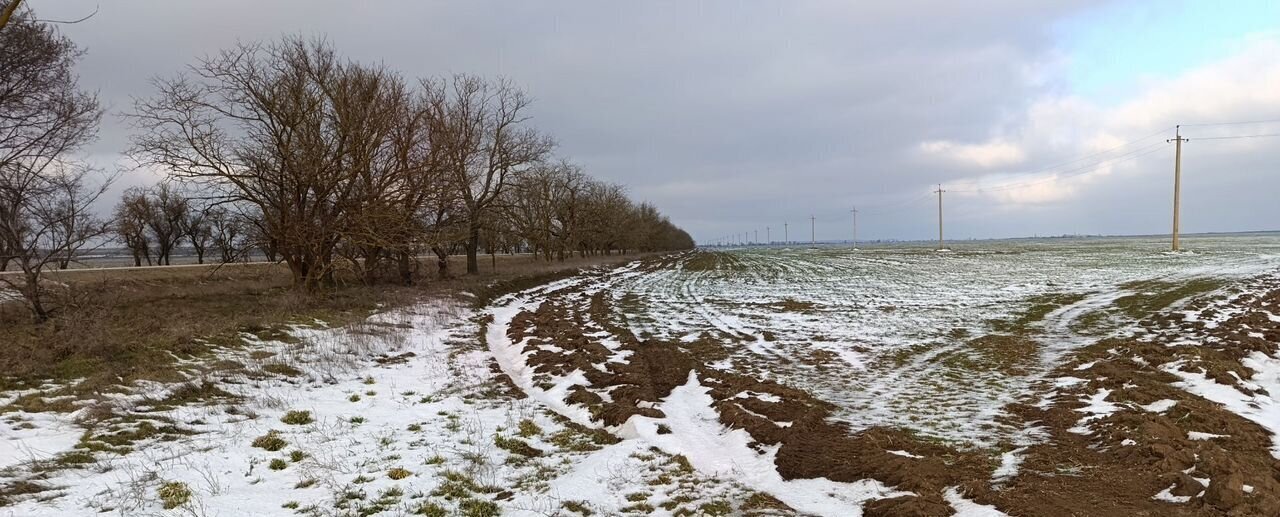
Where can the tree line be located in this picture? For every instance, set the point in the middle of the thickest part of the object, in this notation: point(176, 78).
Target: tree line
point(288, 151)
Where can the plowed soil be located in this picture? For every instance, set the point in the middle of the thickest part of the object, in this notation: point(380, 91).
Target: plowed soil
point(1107, 465)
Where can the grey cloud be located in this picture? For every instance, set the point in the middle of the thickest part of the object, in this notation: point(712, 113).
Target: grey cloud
point(729, 116)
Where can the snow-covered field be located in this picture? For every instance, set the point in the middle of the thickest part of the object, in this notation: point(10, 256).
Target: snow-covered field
point(434, 410)
point(398, 416)
point(896, 321)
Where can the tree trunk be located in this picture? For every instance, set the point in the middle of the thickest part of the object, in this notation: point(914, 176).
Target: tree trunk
point(442, 262)
point(31, 291)
point(403, 266)
point(473, 249)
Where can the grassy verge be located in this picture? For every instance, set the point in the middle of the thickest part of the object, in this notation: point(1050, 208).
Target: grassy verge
point(125, 325)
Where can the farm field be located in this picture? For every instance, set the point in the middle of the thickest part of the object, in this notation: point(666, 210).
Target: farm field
point(998, 378)
point(934, 342)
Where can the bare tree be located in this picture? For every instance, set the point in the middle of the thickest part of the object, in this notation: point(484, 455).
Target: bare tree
point(44, 193)
point(167, 209)
point(198, 231)
point(283, 127)
point(130, 224)
point(479, 126)
point(227, 232)
point(341, 165)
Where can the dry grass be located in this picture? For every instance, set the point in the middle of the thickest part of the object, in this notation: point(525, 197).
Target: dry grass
point(121, 325)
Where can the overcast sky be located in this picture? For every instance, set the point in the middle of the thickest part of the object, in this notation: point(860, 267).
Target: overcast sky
point(734, 116)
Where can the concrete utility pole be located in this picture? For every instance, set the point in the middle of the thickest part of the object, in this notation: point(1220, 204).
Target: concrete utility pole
point(939, 192)
point(767, 237)
point(812, 230)
point(786, 235)
point(757, 234)
point(855, 226)
point(1177, 180)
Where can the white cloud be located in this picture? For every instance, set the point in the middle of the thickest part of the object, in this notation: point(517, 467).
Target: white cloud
point(996, 153)
point(1076, 148)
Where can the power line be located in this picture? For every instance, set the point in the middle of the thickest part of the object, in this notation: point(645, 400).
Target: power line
point(1239, 123)
point(1070, 173)
point(892, 207)
point(1265, 135)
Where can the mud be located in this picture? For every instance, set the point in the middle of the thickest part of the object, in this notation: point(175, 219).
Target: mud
point(1108, 465)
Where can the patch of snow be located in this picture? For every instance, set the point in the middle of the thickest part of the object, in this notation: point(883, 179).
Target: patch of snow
point(1259, 408)
point(713, 449)
point(966, 508)
point(36, 436)
point(1066, 382)
point(1009, 463)
point(1167, 496)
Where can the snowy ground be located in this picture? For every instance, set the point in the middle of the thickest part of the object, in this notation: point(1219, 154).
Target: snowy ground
point(894, 323)
point(401, 415)
point(405, 414)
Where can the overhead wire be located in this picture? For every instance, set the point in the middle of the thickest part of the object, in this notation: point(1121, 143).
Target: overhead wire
point(1057, 175)
point(1265, 135)
point(1070, 173)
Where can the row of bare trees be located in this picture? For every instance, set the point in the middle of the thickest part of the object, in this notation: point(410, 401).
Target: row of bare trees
point(345, 164)
point(303, 156)
point(153, 222)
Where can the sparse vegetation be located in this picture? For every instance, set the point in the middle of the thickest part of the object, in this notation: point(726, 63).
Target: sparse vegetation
point(297, 418)
point(272, 441)
point(174, 494)
point(578, 507)
point(528, 429)
point(516, 446)
point(431, 509)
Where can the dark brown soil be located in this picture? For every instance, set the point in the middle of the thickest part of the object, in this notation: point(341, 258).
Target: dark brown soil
point(1129, 456)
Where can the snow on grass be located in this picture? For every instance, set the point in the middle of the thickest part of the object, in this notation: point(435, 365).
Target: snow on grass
point(30, 437)
point(899, 319)
point(417, 431)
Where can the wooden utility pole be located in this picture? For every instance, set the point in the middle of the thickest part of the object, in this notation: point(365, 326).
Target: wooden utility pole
point(855, 226)
point(939, 192)
point(1177, 180)
point(8, 11)
point(813, 230)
